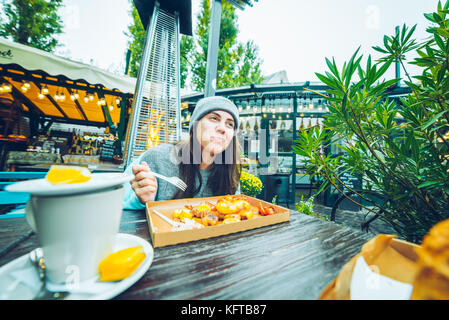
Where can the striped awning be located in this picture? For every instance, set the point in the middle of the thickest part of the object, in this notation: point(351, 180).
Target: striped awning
point(61, 89)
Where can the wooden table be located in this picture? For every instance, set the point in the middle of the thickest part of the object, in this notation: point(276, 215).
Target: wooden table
point(291, 260)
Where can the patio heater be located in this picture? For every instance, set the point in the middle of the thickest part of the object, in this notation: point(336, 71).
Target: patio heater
point(156, 109)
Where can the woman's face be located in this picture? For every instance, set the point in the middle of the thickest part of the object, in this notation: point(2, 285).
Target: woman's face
point(215, 131)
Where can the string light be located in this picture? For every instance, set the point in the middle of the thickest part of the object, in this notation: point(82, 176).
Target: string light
point(6, 88)
point(74, 95)
point(45, 90)
point(101, 102)
point(25, 86)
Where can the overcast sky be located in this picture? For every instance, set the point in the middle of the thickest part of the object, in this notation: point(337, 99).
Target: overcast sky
point(292, 35)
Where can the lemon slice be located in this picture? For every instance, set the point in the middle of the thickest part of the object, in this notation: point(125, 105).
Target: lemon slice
point(68, 174)
point(121, 264)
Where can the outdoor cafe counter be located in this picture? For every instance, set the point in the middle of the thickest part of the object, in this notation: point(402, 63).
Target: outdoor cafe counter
point(290, 260)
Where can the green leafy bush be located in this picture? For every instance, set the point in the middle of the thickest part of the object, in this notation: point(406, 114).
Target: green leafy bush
point(306, 206)
point(400, 149)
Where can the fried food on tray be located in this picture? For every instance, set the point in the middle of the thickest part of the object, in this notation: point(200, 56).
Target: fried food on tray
point(229, 205)
point(248, 214)
point(265, 211)
point(228, 209)
point(180, 214)
point(201, 211)
point(232, 215)
point(432, 279)
point(209, 220)
point(230, 220)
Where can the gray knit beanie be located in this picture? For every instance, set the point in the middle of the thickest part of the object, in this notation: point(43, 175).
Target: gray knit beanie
point(209, 104)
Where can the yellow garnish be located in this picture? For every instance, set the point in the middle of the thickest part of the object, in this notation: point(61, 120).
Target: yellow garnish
point(121, 264)
point(68, 174)
point(182, 213)
point(230, 220)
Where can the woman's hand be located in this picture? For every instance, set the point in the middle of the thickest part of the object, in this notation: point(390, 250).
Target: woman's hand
point(144, 183)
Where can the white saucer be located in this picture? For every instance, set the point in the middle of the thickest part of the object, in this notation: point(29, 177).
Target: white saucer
point(19, 280)
point(41, 187)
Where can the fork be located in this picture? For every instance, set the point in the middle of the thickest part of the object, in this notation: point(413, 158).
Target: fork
point(173, 180)
point(36, 258)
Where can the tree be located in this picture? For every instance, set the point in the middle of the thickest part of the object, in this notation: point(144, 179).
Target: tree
point(34, 23)
point(238, 64)
point(399, 148)
point(136, 41)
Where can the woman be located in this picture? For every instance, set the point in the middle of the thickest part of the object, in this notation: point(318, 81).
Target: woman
point(208, 162)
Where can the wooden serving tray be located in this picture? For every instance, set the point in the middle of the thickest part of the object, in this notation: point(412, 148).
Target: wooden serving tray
point(161, 233)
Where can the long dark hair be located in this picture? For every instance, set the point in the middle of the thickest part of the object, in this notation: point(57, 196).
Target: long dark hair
point(224, 177)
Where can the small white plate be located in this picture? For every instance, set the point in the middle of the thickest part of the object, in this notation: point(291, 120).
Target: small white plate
point(19, 279)
point(41, 187)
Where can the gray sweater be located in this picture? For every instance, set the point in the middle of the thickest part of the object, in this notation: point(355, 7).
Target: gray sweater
point(162, 159)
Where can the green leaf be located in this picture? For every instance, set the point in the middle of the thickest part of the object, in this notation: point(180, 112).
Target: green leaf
point(437, 18)
point(442, 32)
point(412, 30)
point(433, 119)
point(326, 80)
point(439, 42)
point(440, 75)
point(429, 16)
point(379, 49)
point(427, 184)
point(383, 69)
point(333, 68)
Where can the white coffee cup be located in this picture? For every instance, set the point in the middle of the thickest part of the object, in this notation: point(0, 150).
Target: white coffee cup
point(75, 231)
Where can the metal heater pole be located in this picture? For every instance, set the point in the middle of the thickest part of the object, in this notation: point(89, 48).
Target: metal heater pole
point(212, 49)
point(156, 105)
point(178, 82)
point(131, 130)
point(397, 64)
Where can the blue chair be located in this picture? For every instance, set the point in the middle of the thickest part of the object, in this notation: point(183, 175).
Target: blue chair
point(14, 201)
